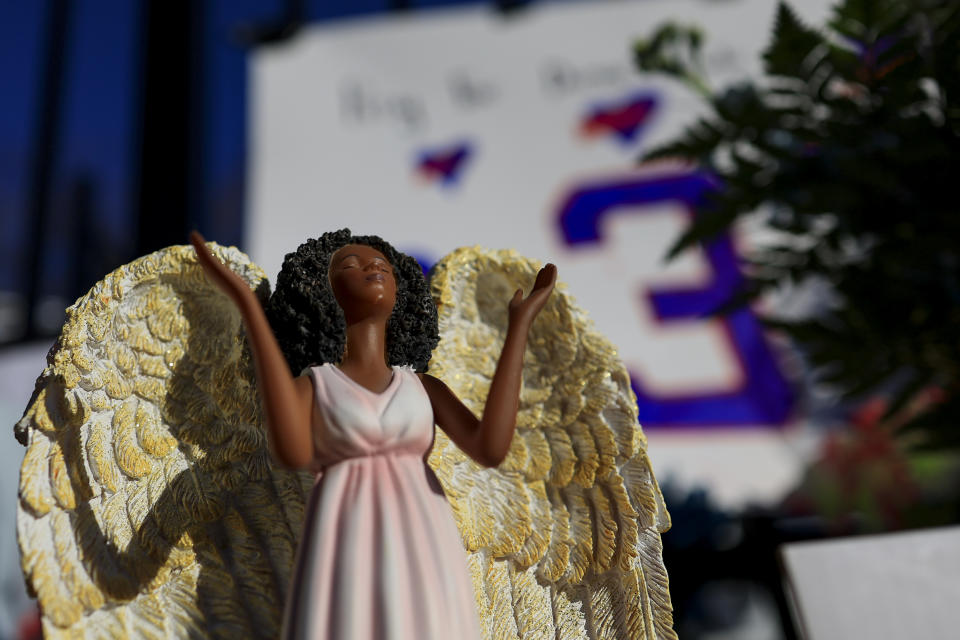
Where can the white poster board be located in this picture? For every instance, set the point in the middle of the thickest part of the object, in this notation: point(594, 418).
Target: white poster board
point(450, 128)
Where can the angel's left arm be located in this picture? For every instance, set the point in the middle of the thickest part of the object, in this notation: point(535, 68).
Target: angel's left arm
point(487, 440)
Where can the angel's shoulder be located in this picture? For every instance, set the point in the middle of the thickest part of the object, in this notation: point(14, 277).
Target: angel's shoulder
point(304, 384)
point(430, 382)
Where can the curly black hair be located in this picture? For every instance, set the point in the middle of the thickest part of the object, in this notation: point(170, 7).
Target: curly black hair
point(309, 323)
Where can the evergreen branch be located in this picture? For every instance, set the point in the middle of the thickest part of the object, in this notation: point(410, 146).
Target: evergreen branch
point(674, 50)
point(795, 50)
point(853, 142)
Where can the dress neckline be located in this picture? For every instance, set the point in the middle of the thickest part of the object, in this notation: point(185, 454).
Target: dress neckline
point(393, 380)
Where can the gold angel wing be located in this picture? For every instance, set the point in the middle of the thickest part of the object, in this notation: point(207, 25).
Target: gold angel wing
point(148, 505)
point(563, 539)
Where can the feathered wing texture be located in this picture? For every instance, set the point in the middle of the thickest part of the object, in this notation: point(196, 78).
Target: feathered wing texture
point(563, 539)
point(148, 505)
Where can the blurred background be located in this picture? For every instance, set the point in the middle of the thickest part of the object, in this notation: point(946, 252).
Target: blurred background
point(754, 201)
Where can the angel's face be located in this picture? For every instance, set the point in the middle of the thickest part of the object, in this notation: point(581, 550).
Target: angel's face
point(363, 281)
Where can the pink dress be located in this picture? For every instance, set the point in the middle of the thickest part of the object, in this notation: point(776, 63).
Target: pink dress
point(380, 556)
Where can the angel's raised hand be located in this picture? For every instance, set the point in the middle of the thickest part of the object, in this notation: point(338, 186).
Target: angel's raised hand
point(220, 274)
point(524, 310)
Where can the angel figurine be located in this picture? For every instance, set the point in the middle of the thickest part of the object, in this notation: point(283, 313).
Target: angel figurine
point(152, 503)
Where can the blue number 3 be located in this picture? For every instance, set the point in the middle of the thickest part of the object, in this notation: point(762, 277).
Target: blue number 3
point(764, 397)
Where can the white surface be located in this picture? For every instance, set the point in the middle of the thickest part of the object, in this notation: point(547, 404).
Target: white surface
point(904, 585)
point(19, 368)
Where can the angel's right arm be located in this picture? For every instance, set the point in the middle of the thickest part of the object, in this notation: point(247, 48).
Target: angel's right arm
point(287, 401)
